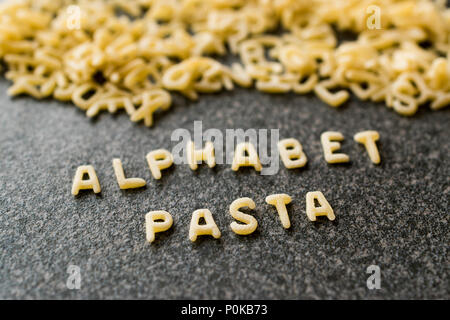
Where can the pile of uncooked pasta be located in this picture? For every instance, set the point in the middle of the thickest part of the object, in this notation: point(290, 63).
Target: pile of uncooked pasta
point(109, 55)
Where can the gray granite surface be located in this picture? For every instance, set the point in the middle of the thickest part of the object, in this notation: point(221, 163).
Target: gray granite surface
point(394, 215)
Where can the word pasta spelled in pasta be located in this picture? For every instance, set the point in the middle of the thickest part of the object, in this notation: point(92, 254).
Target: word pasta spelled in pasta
point(128, 54)
point(160, 221)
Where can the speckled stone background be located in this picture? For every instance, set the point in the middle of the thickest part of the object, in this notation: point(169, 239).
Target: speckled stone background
point(394, 215)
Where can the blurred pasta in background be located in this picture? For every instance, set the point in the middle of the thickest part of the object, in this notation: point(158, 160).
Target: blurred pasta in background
point(128, 54)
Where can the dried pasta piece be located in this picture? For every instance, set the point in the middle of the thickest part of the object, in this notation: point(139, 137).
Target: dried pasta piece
point(240, 158)
point(441, 101)
point(291, 153)
point(249, 223)
point(112, 105)
point(239, 75)
point(330, 146)
point(153, 225)
point(179, 77)
point(87, 184)
point(296, 60)
point(193, 156)
point(306, 85)
point(273, 85)
point(126, 183)
point(151, 101)
point(333, 99)
point(209, 228)
point(84, 90)
point(324, 210)
point(368, 139)
point(158, 160)
point(280, 201)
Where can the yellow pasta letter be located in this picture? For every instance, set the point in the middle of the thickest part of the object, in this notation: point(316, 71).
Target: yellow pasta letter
point(199, 155)
point(126, 183)
point(152, 225)
point(324, 210)
point(158, 160)
point(80, 184)
point(280, 201)
point(210, 228)
point(291, 153)
point(249, 221)
point(241, 160)
point(329, 147)
point(368, 138)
